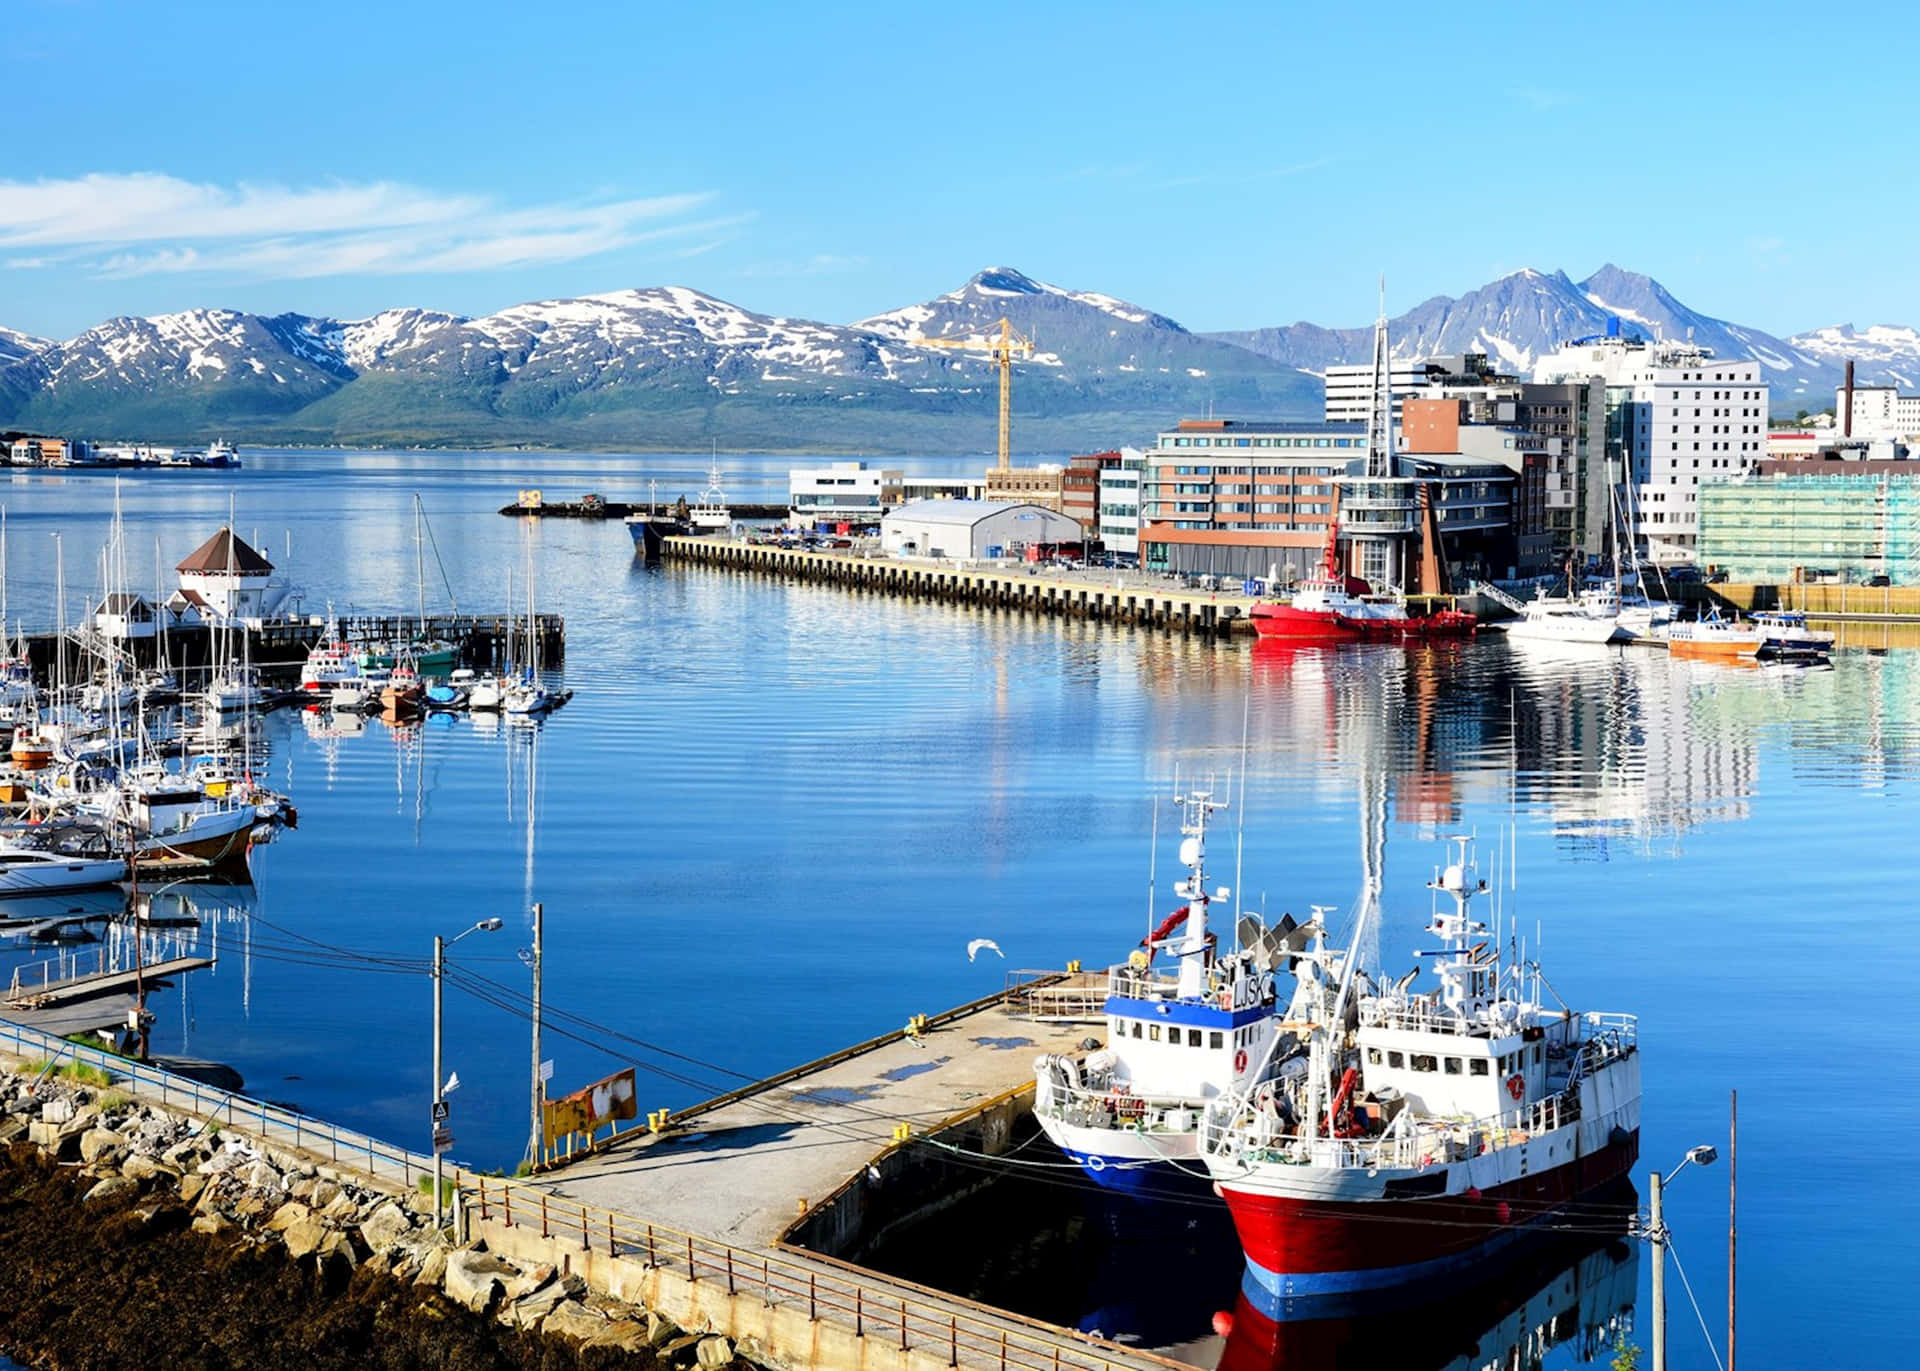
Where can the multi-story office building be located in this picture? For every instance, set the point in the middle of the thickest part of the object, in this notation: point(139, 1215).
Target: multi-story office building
point(1038, 485)
point(1551, 436)
point(1850, 524)
point(1242, 499)
point(1677, 417)
point(1869, 412)
point(1080, 488)
point(845, 493)
point(1120, 503)
point(1350, 388)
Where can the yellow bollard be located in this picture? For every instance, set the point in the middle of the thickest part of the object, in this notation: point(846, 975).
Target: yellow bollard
point(1073, 968)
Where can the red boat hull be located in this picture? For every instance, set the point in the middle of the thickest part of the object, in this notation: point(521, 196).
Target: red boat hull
point(1322, 626)
point(1297, 1246)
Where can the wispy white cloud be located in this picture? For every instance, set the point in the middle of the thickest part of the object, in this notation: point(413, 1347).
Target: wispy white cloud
point(820, 264)
point(146, 223)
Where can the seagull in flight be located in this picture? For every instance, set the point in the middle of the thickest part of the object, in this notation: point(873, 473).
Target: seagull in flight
point(979, 945)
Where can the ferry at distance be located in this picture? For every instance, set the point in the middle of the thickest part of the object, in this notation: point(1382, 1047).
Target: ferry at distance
point(1130, 1112)
point(1405, 1135)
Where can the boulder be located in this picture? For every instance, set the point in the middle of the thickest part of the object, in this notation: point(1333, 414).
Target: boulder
point(341, 1208)
point(54, 1140)
point(192, 1187)
point(213, 1225)
point(433, 1267)
point(112, 1188)
point(473, 1279)
point(57, 1111)
point(662, 1330)
point(627, 1335)
point(532, 1307)
point(304, 1235)
point(713, 1353)
point(523, 1283)
point(140, 1167)
point(385, 1226)
point(263, 1176)
point(321, 1193)
point(12, 1129)
point(572, 1321)
point(671, 1351)
point(287, 1215)
point(96, 1143)
point(185, 1155)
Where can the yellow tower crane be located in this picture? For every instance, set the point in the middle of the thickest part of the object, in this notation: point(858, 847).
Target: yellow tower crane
point(1001, 349)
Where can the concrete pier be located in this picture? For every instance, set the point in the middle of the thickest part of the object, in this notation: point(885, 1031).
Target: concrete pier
point(1080, 595)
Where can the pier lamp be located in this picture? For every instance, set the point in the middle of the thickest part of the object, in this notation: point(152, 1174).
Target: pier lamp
point(440, 946)
point(1704, 1155)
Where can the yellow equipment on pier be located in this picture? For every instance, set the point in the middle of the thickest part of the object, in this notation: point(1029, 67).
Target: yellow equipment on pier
point(1001, 349)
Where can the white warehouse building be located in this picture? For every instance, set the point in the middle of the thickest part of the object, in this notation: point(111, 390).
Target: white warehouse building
point(973, 529)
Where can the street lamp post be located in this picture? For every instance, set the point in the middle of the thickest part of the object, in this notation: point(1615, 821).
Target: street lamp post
point(1703, 1155)
point(440, 946)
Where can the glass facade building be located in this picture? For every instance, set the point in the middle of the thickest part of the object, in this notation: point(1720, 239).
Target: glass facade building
point(1781, 529)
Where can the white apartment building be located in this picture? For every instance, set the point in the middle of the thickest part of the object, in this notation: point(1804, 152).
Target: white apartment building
point(1119, 509)
point(1350, 388)
point(1676, 416)
point(1878, 412)
point(844, 493)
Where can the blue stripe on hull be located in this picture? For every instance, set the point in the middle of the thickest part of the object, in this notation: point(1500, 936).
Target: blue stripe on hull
point(1146, 1181)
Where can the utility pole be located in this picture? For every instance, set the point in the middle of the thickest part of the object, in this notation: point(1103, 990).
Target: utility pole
point(1657, 1236)
point(539, 1083)
point(439, 1096)
point(1733, 1199)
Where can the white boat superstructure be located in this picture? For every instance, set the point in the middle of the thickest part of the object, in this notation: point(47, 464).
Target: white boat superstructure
point(712, 514)
point(1130, 1112)
point(36, 871)
point(1591, 616)
point(1409, 1130)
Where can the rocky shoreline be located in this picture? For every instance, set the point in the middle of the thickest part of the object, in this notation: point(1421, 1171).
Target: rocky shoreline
point(136, 1237)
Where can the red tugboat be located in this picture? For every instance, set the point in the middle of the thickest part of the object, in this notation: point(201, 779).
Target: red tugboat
point(1332, 607)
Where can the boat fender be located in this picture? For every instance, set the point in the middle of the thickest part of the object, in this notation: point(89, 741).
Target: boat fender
point(1516, 1085)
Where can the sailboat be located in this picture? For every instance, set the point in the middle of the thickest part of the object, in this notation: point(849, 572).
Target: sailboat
point(429, 656)
point(526, 695)
point(489, 693)
point(236, 684)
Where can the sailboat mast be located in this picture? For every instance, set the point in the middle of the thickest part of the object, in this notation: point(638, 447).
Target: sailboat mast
point(419, 568)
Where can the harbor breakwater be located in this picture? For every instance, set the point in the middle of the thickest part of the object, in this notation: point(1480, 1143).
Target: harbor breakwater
point(137, 1236)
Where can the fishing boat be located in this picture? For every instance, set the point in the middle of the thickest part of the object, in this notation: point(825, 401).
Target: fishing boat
point(32, 749)
point(330, 662)
point(404, 690)
point(1409, 1134)
point(1785, 636)
point(220, 454)
point(171, 815)
point(1332, 607)
point(711, 514)
point(487, 693)
point(1130, 1112)
point(350, 697)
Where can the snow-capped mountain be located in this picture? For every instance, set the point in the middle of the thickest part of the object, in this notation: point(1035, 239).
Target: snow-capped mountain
point(669, 366)
point(1526, 314)
point(662, 366)
point(1883, 354)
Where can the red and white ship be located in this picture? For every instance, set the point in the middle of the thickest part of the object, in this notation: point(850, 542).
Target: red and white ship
point(1333, 607)
point(1411, 1134)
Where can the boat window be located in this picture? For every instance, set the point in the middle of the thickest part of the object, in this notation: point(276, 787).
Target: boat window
point(1193, 1037)
point(1477, 1066)
point(1453, 1066)
point(1216, 1039)
point(1539, 1054)
point(1136, 1028)
point(1425, 1061)
point(1373, 1056)
point(1396, 1060)
point(1153, 1032)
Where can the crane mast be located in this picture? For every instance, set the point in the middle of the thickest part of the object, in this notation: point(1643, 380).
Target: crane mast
point(1001, 349)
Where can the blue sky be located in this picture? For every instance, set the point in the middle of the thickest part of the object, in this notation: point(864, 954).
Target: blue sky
point(1232, 166)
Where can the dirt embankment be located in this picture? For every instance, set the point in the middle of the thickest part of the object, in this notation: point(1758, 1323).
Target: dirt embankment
point(124, 1283)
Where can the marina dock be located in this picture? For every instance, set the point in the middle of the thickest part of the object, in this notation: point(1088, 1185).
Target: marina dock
point(281, 645)
point(1175, 609)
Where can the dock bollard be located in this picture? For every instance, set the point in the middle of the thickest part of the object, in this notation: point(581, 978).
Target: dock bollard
point(1073, 968)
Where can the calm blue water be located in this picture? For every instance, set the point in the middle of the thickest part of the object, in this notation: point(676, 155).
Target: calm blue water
point(774, 815)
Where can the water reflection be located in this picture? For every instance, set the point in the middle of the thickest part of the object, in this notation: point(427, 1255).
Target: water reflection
point(1573, 1300)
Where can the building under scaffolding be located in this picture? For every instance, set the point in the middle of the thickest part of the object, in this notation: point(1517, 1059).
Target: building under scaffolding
point(1784, 529)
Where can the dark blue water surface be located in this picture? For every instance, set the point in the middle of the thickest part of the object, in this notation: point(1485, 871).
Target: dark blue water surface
point(774, 815)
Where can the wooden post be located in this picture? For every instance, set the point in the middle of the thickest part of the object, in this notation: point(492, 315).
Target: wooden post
point(729, 1270)
point(953, 1340)
point(692, 1275)
point(813, 1298)
point(859, 1319)
point(543, 1213)
point(903, 1325)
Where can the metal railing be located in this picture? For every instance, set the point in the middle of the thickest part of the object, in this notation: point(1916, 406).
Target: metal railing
point(270, 1122)
point(907, 1316)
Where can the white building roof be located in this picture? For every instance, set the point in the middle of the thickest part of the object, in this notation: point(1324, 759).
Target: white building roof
point(963, 513)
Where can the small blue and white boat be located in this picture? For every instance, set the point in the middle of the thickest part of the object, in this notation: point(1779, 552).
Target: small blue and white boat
point(1130, 1113)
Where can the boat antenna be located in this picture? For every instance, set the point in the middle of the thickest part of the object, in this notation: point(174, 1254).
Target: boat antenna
point(1240, 827)
point(1153, 862)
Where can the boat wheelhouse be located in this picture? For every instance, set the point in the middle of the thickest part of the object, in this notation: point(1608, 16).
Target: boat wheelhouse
point(1130, 1112)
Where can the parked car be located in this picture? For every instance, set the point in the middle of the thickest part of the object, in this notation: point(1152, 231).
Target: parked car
point(1880, 579)
point(1683, 575)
